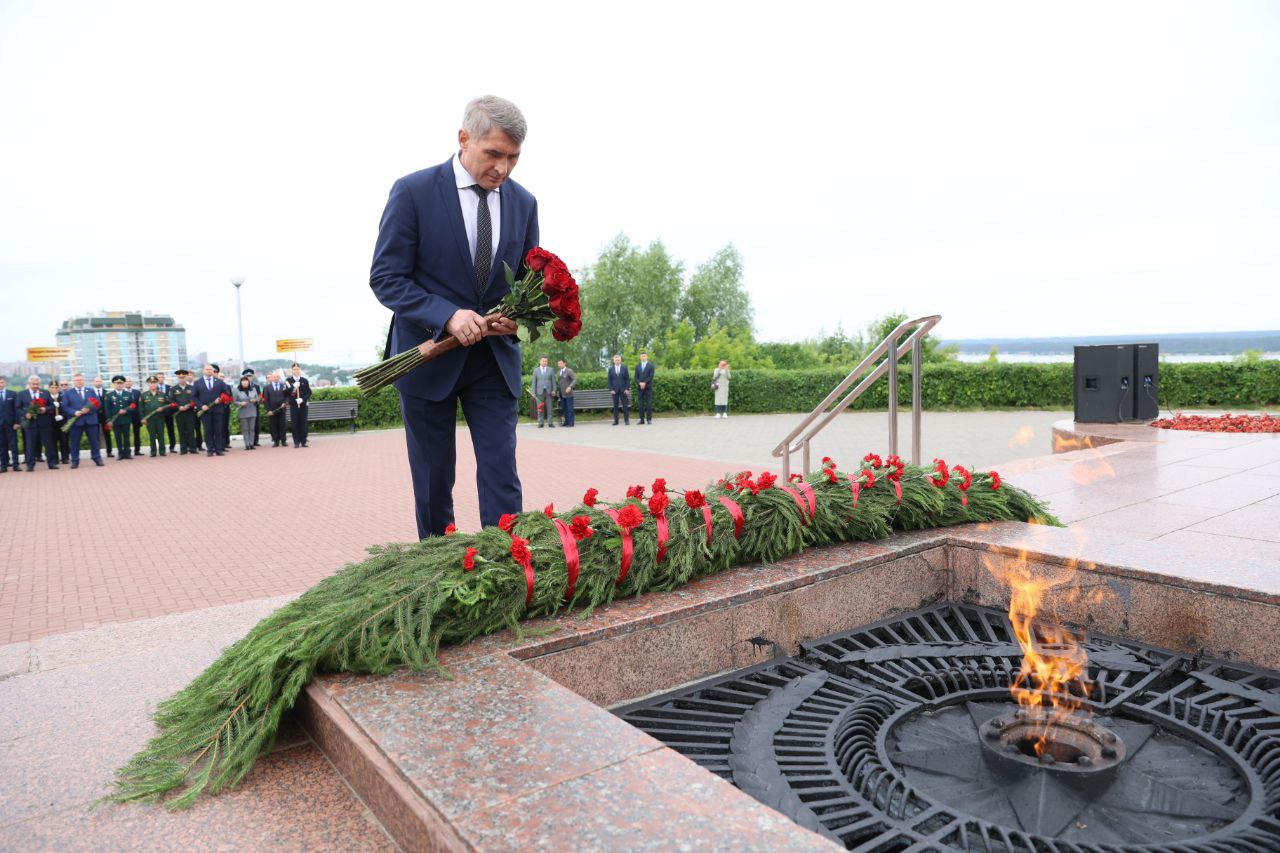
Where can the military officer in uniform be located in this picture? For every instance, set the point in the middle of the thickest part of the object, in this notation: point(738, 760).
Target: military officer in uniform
point(163, 387)
point(120, 415)
point(153, 406)
point(182, 396)
point(136, 412)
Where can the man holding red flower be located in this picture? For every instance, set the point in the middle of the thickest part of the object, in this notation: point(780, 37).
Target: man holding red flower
point(119, 412)
point(83, 403)
point(445, 235)
point(36, 406)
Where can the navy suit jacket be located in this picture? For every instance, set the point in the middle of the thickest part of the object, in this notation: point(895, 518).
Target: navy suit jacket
point(24, 402)
point(207, 397)
point(9, 408)
point(422, 270)
point(73, 400)
point(644, 373)
point(621, 381)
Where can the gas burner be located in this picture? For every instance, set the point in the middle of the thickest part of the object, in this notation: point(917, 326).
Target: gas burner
point(902, 735)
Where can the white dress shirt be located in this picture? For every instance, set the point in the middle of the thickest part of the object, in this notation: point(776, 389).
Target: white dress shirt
point(471, 204)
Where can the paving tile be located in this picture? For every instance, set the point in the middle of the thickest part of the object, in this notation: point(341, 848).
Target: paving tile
point(1148, 517)
point(1250, 522)
point(1228, 493)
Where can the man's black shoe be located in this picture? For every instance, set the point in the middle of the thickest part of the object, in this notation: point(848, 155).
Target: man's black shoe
point(98, 462)
point(208, 453)
point(75, 465)
point(218, 453)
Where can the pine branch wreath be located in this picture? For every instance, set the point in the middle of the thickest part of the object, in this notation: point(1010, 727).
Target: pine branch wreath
point(400, 605)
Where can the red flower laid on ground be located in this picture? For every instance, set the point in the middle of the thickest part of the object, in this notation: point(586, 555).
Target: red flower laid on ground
point(1222, 423)
point(520, 551)
point(549, 510)
point(635, 492)
point(767, 479)
point(695, 499)
point(874, 459)
point(580, 527)
point(506, 522)
point(940, 473)
point(659, 485)
point(469, 560)
point(450, 529)
point(995, 481)
point(589, 499)
point(658, 503)
point(630, 517)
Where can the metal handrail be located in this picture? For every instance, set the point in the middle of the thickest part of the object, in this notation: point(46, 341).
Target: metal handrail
point(799, 438)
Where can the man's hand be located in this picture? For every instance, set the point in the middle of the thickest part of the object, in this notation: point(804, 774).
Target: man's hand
point(641, 386)
point(467, 326)
point(501, 326)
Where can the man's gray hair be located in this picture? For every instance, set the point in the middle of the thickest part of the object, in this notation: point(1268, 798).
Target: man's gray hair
point(489, 111)
point(77, 373)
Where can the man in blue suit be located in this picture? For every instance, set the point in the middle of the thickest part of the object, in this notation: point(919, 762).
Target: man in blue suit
point(444, 237)
point(9, 425)
point(644, 388)
point(620, 388)
point(207, 390)
point(37, 427)
point(83, 402)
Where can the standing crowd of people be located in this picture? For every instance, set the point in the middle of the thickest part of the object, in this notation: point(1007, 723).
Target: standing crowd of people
point(53, 424)
point(549, 386)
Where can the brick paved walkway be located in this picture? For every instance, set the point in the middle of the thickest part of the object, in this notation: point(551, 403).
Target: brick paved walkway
point(150, 537)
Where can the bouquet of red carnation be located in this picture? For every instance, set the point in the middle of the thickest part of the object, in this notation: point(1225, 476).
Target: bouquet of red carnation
point(37, 407)
point(93, 404)
point(546, 294)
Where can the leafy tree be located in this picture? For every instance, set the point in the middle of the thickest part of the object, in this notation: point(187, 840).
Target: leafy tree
point(788, 356)
point(715, 295)
point(993, 357)
point(676, 350)
point(629, 300)
point(931, 348)
point(738, 348)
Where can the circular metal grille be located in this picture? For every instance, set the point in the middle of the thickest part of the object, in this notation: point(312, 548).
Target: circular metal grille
point(875, 739)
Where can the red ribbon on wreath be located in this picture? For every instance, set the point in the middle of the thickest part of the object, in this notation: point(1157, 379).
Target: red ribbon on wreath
point(809, 496)
point(628, 547)
point(800, 504)
point(660, 521)
point(736, 512)
point(524, 558)
point(570, 546)
point(855, 488)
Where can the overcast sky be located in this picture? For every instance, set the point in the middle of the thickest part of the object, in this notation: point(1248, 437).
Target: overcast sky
point(1090, 168)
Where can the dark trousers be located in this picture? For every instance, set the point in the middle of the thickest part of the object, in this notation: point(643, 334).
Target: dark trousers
point(187, 430)
point(91, 430)
point(35, 437)
point(137, 435)
point(63, 442)
point(277, 427)
point(622, 400)
point(644, 403)
point(299, 427)
point(430, 431)
point(225, 435)
point(122, 430)
point(211, 421)
point(106, 437)
point(566, 409)
point(8, 446)
point(155, 434)
point(168, 426)
point(198, 424)
point(257, 430)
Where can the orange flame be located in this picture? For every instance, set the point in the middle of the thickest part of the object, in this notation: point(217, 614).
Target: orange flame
point(1093, 467)
point(1023, 436)
point(1053, 681)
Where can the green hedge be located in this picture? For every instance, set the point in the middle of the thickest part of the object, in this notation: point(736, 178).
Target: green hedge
point(948, 386)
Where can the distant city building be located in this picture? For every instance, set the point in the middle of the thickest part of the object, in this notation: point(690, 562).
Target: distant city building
point(133, 343)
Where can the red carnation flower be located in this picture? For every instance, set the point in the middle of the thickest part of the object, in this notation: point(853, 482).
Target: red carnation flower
point(93, 401)
point(549, 510)
point(796, 478)
point(520, 550)
point(896, 462)
point(580, 527)
point(469, 561)
point(507, 522)
point(995, 481)
point(450, 529)
point(827, 460)
point(589, 499)
point(874, 459)
point(658, 503)
point(636, 491)
point(659, 485)
point(940, 474)
point(966, 479)
point(694, 499)
point(133, 405)
point(767, 479)
point(868, 478)
point(630, 517)
point(831, 475)
point(538, 258)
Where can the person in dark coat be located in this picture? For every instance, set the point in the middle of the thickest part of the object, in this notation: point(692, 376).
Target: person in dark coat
point(135, 415)
point(36, 408)
point(257, 421)
point(620, 388)
point(644, 388)
point(164, 388)
point(566, 379)
point(118, 411)
point(60, 439)
point(276, 399)
point(299, 398)
point(208, 392)
point(83, 403)
point(9, 426)
point(104, 422)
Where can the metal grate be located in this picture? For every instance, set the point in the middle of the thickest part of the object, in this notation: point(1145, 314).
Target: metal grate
point(881, 739)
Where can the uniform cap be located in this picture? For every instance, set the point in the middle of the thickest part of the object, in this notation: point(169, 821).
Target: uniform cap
point(117, 378)
point(182, 372)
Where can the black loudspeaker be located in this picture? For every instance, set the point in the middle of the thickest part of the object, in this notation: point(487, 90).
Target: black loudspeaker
point(1117, 382)
point(1104, 384)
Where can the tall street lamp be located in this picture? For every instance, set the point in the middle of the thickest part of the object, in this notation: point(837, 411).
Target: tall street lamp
point(238, 280)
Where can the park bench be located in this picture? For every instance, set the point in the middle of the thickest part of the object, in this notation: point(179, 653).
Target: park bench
point(591, 399)
point(329, 410)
